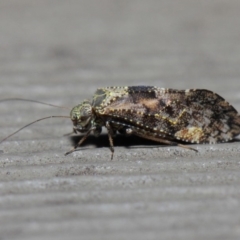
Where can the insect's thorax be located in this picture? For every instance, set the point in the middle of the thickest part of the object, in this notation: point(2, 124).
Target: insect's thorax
point(105, 96)
point(128, 98)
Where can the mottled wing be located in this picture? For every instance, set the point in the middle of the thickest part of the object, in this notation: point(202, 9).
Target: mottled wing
point(197, 116)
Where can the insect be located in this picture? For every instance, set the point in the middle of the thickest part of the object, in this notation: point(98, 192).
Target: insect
point(167, 116)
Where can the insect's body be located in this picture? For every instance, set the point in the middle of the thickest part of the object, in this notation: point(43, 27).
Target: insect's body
point(163, 115)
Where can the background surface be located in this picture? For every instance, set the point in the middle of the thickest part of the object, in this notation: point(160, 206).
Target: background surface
point(61, 51)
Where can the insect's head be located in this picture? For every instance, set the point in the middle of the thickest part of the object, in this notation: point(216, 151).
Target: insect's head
point(81, 116)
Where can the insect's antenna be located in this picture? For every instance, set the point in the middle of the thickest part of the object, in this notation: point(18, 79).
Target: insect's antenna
point(30, 100)
point(38, 120)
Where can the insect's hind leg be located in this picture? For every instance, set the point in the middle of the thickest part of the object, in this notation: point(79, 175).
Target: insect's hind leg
point(178, 144)
point(161, 140)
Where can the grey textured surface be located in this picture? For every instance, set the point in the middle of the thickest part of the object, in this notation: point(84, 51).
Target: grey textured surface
point(60, 52)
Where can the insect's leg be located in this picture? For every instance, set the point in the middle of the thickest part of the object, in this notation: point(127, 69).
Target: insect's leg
point(176, 144)
point(161, 140)
point(68, 134)
point(81, 141)
point(110, 137)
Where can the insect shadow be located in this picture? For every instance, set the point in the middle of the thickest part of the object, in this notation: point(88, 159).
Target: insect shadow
point(119, 141)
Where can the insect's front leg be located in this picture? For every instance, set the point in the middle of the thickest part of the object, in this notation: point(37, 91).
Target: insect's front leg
point(82, 140)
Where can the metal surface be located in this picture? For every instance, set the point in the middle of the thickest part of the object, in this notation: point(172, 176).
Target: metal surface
point(60, 52)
